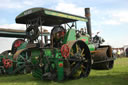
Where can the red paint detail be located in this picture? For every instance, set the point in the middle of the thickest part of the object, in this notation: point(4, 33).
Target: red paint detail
point(83, 40)
point(65, 50)
point(61, 34)
point(18, 43)
point(61, 65)
point(7, 63)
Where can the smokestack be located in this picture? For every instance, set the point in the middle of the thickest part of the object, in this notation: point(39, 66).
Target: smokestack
point(87, 15)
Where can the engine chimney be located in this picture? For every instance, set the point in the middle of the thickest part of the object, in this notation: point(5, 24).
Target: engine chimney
point(87, 15)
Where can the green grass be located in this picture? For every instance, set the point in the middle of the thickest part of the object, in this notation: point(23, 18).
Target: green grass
point(117, 76)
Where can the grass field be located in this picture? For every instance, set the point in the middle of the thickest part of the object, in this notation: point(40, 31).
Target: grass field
point(117, 76)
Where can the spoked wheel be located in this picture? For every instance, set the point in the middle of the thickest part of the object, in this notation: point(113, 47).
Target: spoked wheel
point(22, 62)
point(79, 60)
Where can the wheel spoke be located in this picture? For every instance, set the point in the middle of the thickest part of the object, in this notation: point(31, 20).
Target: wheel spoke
point(82, 53)
point(26, 55)
point(22, 57)
point(85, 61)
point(82, 66)
point(20, 63)
point(72, 53)
point(73, 64)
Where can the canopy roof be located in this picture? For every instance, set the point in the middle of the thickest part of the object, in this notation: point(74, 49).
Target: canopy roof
point(12, 33)
point(49, 17)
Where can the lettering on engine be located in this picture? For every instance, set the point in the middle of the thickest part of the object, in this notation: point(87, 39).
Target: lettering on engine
point(27, 12)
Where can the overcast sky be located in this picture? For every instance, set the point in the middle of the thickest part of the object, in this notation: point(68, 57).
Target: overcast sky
point(109, 17)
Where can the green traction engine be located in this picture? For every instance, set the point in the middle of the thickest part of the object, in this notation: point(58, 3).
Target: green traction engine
point(16, 60)
point(67, 52)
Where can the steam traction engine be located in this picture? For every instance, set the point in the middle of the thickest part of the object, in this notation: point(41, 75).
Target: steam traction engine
point(67, 52)
point(15, 60)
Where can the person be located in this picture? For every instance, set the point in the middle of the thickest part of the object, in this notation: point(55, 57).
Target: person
point(118, 53)
point(58, 33)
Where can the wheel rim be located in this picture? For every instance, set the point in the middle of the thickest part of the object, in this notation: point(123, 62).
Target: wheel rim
point(80, 51)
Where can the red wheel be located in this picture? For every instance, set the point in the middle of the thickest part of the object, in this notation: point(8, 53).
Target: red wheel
point(7, 63)
point(65, 50)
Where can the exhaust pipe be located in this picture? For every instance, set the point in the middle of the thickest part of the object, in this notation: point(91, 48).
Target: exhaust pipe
point(87, 15)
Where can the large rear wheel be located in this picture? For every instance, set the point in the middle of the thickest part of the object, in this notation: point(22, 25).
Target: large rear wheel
point(79, 60)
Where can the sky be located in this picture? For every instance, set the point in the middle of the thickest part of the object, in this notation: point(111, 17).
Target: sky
point(109, 17)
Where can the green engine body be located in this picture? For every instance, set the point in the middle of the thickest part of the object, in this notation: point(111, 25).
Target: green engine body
point(68, 53)
point(49, 62)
